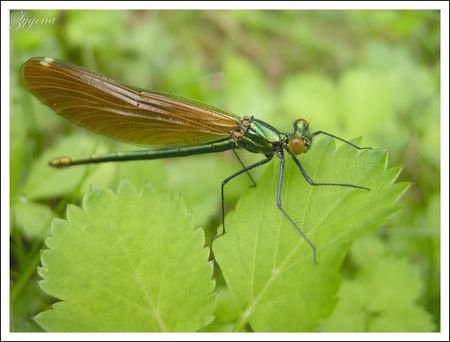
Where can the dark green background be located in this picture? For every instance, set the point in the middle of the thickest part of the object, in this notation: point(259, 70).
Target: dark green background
point(353, 73)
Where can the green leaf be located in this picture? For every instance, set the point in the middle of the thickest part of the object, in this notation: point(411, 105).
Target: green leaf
point(268, 266)
point(19, 128)
point(33, 219)
point(127, 262)
point(227, 312)
point(368, 249)
point(200, 187)
point(196, 178)
point(382, 296)
point(25, 306)
point(227, 309)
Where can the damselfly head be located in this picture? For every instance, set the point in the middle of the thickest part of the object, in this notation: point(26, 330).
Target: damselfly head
point(301, 124)
point(300, 141)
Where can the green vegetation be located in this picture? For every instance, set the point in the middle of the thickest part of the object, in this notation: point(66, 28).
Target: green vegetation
point(116, 243)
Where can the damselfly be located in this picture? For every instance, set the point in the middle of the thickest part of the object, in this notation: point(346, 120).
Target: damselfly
point(176, 125)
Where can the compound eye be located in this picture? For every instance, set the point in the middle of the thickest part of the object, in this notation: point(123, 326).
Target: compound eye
point(296, 145)
point(301, 122)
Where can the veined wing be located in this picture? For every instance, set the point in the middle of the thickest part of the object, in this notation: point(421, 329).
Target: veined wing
point(122, 112)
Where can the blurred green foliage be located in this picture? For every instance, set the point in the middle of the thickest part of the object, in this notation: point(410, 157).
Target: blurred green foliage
point(354, 73)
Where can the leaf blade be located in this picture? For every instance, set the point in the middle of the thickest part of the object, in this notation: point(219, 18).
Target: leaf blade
point(118, 266)
point(266, 264)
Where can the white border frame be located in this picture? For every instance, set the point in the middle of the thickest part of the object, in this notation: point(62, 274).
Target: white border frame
point(305, 5)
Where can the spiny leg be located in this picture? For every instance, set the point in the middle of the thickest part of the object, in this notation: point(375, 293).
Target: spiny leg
point(343, 140)
point(226, 180)
point(311, 182)
point(280, 206)
point(243, 166)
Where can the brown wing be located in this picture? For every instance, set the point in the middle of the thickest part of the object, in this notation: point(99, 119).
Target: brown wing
point(122, 112)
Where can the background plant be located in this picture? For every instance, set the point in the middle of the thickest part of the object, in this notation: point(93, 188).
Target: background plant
point(355, 73)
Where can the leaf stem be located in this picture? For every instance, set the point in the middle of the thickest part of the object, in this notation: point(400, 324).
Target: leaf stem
point(241, 322)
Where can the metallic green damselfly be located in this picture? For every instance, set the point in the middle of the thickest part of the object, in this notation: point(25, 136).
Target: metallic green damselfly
point(178, 126)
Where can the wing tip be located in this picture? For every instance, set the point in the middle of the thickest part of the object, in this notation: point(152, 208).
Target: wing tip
point(29, 67)
point(44, 61)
